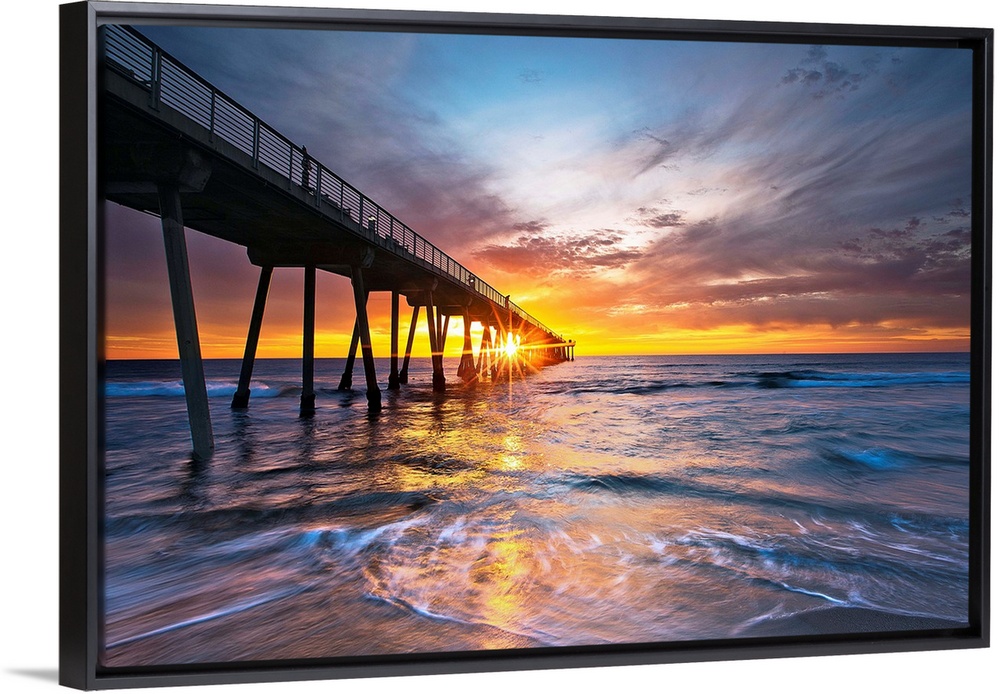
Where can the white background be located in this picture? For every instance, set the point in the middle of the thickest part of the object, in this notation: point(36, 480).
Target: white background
point(29, 384)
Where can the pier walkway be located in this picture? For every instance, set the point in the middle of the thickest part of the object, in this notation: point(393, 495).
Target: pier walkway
point(176, 146)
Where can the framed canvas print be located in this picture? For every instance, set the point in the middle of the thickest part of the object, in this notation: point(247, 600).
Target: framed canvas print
point(418, 342)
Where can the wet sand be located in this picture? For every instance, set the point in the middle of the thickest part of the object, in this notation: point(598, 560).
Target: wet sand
point(846, 620)
point(373, 627)
point(313, 625)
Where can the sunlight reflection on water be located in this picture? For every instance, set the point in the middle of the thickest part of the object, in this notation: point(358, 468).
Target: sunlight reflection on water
point(597, 501)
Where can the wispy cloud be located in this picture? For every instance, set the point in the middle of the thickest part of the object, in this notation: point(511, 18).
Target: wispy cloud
point(575, 254)
point(660, 219)
point(531, 76)
point(823, 77)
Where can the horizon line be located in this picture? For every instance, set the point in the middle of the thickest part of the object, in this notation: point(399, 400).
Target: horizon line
point(586, 356)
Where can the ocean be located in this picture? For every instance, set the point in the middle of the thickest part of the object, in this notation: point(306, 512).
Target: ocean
point(601, 501)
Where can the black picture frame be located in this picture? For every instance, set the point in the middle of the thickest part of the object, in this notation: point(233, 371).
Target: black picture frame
point(81, 328)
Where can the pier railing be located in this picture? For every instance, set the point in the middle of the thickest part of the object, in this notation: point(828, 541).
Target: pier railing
point(170, 83)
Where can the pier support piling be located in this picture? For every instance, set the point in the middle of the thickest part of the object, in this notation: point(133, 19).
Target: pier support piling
point(307, 403)
point(482, 349)
point(494, 356)
point(373, 393)
point(404, 372)
point(437, 347)
point(394, 344)
point(347, 380)
point(467, 366)
point(442, 319)
point(483, 364)
point(241, 400)
point(185, 322)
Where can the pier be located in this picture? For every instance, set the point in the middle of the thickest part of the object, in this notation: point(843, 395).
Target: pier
point(174, 145)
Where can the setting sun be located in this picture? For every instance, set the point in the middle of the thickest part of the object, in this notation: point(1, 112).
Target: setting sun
point(511, 347)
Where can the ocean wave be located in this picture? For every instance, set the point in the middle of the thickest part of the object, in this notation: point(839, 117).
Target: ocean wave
point(805, 378)
point(625, 483)
point(652, 388)
point(880, 458)
point(617, 388)
point(872, 458)
point(175, 389)
point(630, 484)
point(782, 560)
point(825, 379)
point(246, 517)
point(226, 611)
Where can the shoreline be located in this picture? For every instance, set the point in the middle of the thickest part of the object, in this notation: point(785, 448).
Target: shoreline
point(828, 621)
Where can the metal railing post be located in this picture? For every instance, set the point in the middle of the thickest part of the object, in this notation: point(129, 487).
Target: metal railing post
point(211, 119)
point(155, 71)
point(256, 143)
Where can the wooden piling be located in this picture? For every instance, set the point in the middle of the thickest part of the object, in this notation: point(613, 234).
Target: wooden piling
point(483, 356)
point(241, 400)
point(347, 380)
point(404, 372)
point(437, 360)
point(394, 347)
point(307, 403)
point(467, 365)
point(185, 322)
point(373, 393)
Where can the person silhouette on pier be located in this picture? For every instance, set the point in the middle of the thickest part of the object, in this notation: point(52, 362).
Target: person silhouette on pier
point(306, 168)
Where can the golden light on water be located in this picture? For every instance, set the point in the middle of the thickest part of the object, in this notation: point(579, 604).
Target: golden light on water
point(508, 567)
point(511, 460)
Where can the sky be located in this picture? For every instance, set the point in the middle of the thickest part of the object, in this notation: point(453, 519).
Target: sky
point(638, 197)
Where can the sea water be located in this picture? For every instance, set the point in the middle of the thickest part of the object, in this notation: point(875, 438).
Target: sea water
point(604, 500)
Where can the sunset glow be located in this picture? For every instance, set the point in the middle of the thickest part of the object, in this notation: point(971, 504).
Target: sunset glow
point(636, 197)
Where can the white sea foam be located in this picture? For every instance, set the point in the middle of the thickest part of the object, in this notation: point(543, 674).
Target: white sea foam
point(175, 389)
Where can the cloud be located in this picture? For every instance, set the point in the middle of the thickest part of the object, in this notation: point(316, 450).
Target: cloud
point(658, 151)
point(715, 273)
point(533, 227)
point(824, 77)
point(697, 192)
point(822, 223)
point(645, 150)
point(577, 254)
point(388, 142)
point(657, 218)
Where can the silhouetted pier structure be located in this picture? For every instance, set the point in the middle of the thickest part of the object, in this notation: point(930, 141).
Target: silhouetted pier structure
point(174, 145)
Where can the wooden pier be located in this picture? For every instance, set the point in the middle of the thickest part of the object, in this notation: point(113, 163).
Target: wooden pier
point(174, 145)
